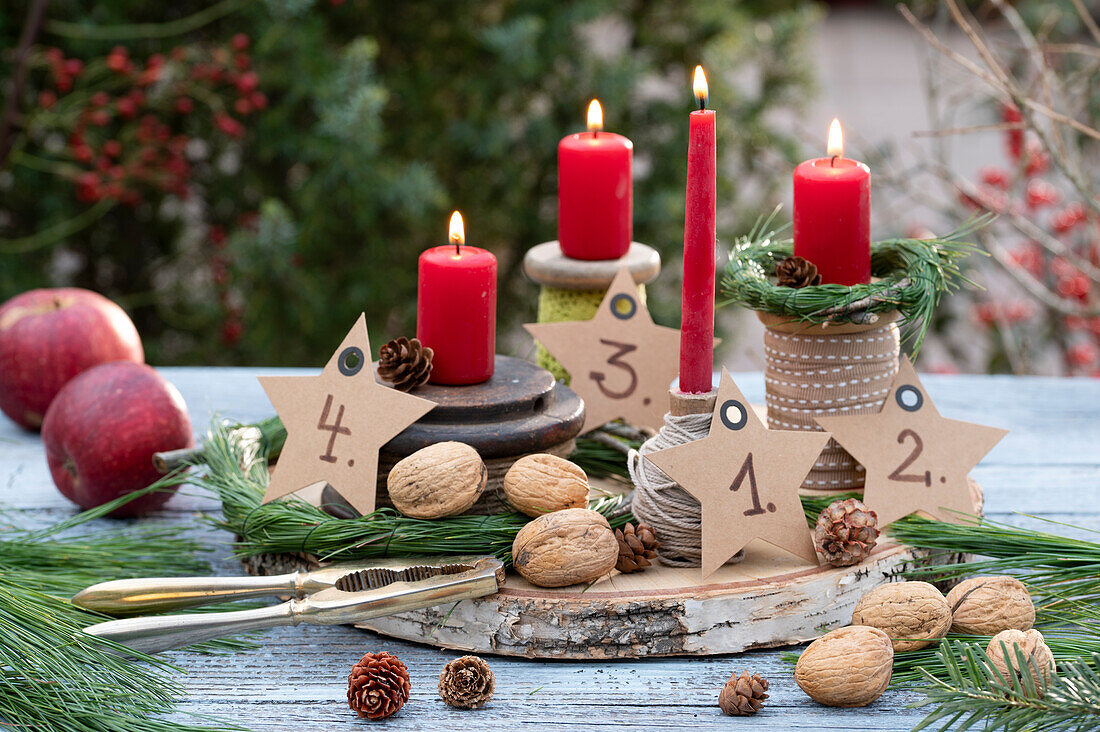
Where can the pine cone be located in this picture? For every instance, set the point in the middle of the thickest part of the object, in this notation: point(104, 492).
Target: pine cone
point(797, 272)
point(846, 532)
point(405, 363)
point(636, 547)
point(378, 686)
point(743, 694)
point(466, 683)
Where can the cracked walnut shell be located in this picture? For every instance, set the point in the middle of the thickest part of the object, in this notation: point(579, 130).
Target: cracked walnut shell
point(543, 483)
point(913, 614)
point(444, 479)
point(565, 548)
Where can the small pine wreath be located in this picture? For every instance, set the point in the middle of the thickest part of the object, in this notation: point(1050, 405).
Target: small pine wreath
point(911, 275)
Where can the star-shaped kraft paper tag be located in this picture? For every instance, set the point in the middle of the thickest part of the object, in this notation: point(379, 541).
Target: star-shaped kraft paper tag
point(336, 422)
point(746, 478)
point(915, 460)
point(620, 362)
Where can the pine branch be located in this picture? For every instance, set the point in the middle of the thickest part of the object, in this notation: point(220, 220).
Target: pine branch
point(238, 475)
point(53, 677)
point(974, 692)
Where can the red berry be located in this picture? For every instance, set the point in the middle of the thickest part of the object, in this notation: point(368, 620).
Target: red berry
point(258, 100)
point(149, 76)
point(1082, 354)
point(46, 99)
point(242, 107)
point(248, 82)
point(112, 148)
point(228, 125)
point(54, 55)
point(179, 53)
point(1041, 193)
point(995, 177)
point(73, 66)
point(232, 331)
point(240, 41)
point(87, 187)
point(100, 118)
point(155, 61)
point(118, 60)
point(217, 235)
point(82, 153)
point(127, 108)
point(63, 82)
point(100, 99)
point(184, 105)
point(242, 61)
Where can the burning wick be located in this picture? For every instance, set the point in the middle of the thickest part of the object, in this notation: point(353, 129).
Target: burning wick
point(457, 233)
point(595, 117)
point(835, 144)
point(699, 86)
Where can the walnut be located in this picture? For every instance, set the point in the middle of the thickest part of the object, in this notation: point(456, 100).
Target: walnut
point(543, 483)
point(443, 479)
point(565, 548)
point(911, 613)
point(849, 667)
point(988, 605)
point(1038, 658)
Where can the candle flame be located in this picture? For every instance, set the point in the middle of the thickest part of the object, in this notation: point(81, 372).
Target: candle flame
point(457, 233)
point(595, 116)
point(835, 147)
point(699, 85)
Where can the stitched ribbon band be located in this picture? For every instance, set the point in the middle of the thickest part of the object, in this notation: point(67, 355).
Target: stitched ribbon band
point(812, 372)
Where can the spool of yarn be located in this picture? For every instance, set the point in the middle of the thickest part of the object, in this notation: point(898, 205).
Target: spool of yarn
point(828, 370)
point(572, 289)
point(674, 514)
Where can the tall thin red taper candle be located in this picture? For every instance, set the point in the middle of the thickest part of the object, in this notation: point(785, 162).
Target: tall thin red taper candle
point(697, 314)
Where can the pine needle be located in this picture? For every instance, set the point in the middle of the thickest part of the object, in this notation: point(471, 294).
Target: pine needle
point(53, 677)
point(912, 275)
point(238, 475)
point(971, 692)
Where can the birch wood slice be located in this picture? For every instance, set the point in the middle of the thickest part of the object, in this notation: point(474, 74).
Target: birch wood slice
point(770, 599)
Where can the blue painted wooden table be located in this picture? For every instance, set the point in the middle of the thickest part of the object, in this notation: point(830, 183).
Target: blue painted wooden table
point(1048, 466)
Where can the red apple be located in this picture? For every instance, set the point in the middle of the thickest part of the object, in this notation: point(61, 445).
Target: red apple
point(49, 336)
point(103, 428)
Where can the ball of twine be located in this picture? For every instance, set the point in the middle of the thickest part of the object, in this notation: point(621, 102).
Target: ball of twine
point(673, 513)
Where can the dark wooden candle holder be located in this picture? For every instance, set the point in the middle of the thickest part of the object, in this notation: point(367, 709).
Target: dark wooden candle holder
point(521, 410)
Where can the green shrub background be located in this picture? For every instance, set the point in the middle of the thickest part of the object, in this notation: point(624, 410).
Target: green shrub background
point(381, 118)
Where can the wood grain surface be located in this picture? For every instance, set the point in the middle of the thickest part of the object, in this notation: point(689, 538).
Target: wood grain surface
point(1048, 466)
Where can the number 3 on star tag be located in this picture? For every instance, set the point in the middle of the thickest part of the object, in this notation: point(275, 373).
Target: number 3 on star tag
point(616, 360)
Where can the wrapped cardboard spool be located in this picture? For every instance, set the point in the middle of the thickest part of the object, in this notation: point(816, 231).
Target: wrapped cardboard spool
point(827, 370)
point(673, 513)
point(521, 410)
point(572, 289)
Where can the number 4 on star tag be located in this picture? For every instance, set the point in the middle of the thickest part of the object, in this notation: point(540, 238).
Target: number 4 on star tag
point(336, 422)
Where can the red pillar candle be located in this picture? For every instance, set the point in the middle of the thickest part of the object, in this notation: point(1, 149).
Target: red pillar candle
point(595, 192)
point(697, 314)
point(456, 309)
point(832, 214)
